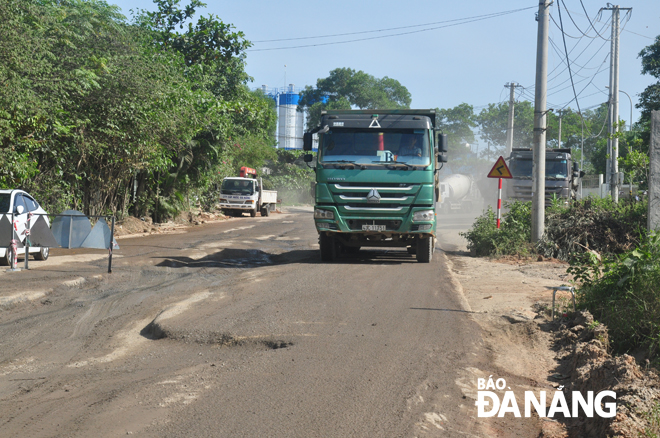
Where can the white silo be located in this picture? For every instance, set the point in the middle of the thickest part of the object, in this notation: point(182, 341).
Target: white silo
point(290, 124)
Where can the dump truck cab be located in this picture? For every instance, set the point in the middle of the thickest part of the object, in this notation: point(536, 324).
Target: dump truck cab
point(377, 180)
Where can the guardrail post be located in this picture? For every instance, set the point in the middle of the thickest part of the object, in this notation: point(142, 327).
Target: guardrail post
point(27, 240)
point(112, 244)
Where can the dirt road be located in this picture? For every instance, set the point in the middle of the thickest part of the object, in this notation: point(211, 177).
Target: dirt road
point(236, 329)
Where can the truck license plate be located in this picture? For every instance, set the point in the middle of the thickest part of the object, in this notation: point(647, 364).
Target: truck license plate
point(373, 227)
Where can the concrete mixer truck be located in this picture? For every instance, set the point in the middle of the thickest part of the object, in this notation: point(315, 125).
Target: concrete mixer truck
point(459, 193)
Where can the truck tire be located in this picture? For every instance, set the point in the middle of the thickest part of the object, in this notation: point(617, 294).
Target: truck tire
point(253, 213)
point(42, 254)
point(425, 249)
point(265, 211)
point(328, 247)
point(352, 250)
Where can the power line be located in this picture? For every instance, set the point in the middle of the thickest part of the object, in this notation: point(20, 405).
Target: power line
point(592, 25)
point(571, 51)
point(462, 21)
point(391, 28)
point(575, 24)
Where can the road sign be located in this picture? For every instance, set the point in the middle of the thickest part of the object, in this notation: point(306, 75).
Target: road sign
point(500, 170)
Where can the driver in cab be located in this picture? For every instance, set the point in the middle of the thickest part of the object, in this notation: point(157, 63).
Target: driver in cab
point(410, 147)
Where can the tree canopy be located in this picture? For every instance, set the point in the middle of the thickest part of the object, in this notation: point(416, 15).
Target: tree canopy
point(101, 115)
point(346, 88)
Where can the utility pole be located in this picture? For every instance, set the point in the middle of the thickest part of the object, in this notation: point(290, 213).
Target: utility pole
point(613, 110)
point(540, 123)
point(509, 129)
point(560, 115)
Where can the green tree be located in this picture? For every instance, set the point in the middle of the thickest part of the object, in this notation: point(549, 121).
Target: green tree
point(649, 99)
point(346, 88)
point(493, 121)
point(459, 124)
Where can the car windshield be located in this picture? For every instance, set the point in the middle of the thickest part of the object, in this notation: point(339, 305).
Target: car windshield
point(5, 200)
point(237, 187)
point(363, 146)
point(553, 168)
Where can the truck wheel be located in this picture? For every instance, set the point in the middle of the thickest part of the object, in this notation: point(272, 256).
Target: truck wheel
point(265, 211)
point(253, 213)
point(42, 254)
point(328, 246)
point(425, 249)
point(353, 250)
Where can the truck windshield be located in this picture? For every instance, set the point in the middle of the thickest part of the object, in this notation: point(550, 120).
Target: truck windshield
point(553, 168)
point(371, 147)
point(5, 199)
point(237, 187)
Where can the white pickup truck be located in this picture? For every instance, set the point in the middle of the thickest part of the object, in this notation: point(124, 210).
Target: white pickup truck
point(239, 195)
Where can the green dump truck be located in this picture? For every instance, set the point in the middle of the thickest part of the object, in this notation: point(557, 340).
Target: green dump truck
point(377, 180)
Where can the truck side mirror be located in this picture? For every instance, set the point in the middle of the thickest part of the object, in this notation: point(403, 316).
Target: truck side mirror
point(308, 158)
point(576, 166)
point(307, 142)
point(442, 158)
point(582, 173)
point(443, 143)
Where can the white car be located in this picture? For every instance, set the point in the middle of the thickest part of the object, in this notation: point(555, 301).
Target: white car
point(21, 203)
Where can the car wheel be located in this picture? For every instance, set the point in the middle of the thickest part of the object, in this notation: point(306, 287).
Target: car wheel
point(425, 249)
point(5, 259)
point(42, 254)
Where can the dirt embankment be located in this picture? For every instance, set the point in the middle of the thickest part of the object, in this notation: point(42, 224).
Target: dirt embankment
point(512, 300)
point(145, 225)
point(586, 365)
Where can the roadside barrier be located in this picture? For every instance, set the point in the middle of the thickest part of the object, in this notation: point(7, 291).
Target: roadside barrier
point(570, 289)
point(70, 229)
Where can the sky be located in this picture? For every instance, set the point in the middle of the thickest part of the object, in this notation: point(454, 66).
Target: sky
point(445, 53)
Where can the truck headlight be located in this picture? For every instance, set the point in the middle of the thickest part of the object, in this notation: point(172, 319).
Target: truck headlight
point(423, 215)
point(323, 214)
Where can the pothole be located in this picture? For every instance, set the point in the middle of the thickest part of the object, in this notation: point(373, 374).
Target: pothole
point(155, 331)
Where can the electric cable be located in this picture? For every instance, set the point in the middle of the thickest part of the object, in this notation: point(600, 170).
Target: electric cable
point(462, 21)
point(592, 25)
point(391, 28)
point(574, 23)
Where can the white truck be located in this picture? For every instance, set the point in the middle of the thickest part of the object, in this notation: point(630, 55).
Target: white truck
point(240, 194)
point(459, 193)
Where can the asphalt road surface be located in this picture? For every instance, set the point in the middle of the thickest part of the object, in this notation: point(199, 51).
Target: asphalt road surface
point(236, 329)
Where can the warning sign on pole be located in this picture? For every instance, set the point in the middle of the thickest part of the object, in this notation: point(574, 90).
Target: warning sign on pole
point(500, 170)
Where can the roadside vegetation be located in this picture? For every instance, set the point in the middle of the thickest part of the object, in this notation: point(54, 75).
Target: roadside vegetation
point(100, 114)
point(614, 261)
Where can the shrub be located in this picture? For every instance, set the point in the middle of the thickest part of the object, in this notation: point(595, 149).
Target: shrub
point(593, 224)
point(512, 238)
point(623, 292)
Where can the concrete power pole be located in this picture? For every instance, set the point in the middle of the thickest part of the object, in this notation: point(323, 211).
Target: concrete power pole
point(540, 123)
point(509, 129)
point(654, 173)
point(559, 136)
point(613, 110)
